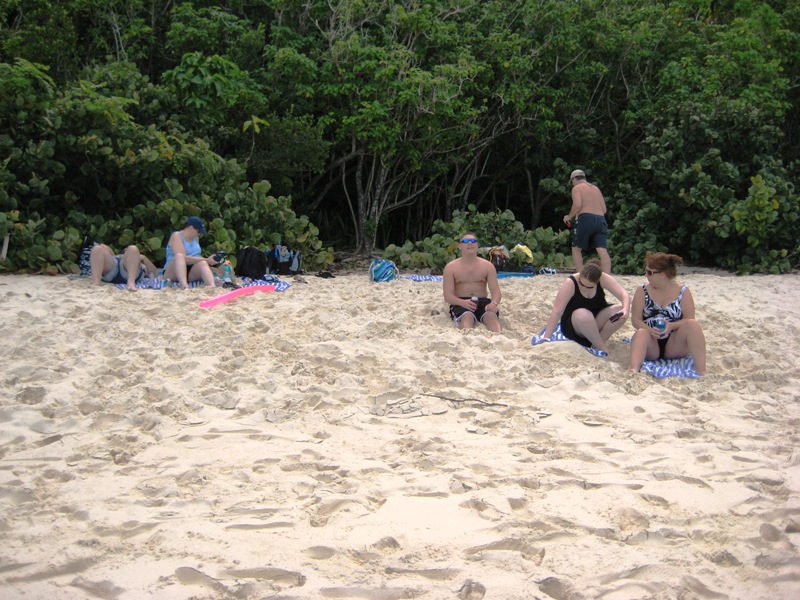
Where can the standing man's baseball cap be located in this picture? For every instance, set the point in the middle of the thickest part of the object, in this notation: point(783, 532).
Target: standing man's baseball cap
point(197, 224)
point(577, 173)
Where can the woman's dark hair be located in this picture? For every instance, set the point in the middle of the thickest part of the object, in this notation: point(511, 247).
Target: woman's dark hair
point(592, 270)
point(663, 262)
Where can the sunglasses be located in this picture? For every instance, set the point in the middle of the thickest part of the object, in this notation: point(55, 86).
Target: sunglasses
point(469, 241)
point(651, 272)
point(588, 287)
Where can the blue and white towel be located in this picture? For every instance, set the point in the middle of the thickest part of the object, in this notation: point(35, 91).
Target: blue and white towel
point(558, 336)
point(500, 275)
point(505, 274)
point(670, 367)
point(421, 277)
point(146, 283)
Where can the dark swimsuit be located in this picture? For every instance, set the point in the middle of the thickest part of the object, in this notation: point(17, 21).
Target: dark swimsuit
point(671, 312)
point(594, 305)
point(456, 312)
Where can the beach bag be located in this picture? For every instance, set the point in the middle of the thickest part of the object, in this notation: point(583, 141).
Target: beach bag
point(286, 261)
point(251, 262)
point(295, 264)
point(498, 259)
point(382, 270)
point(85, 254)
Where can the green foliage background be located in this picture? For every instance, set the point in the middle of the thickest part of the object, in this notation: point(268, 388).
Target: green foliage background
point(393, 124)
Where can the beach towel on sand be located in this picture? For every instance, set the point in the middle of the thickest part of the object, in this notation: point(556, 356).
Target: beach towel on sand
point(421, 277)
point(558, 336)
point(146, 283)
point(669, 367)
point(502, 275)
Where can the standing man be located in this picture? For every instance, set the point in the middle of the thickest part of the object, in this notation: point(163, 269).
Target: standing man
point(468, 277)
point(591, 229)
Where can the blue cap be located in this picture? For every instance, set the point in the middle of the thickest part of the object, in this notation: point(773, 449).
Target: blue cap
point(196, 223)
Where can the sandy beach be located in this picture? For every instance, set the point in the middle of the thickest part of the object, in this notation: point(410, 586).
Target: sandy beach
point(342, 439)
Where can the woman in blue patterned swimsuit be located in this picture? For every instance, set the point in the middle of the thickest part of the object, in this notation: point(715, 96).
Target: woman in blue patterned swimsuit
point(662, 296)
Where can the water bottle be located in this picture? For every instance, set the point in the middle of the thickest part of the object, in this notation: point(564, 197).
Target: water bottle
point(227, 272)
point(660, 324)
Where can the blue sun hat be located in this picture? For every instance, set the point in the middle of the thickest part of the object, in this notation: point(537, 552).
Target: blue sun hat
point(197, 224)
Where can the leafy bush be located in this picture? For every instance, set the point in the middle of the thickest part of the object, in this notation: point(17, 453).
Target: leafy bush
point(492, 229)
point(79, 163)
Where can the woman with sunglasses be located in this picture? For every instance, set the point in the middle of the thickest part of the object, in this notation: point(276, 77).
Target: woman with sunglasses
point(663, 297)
point(581, 306)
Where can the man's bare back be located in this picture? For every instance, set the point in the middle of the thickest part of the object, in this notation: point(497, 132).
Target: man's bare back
point(587, 198)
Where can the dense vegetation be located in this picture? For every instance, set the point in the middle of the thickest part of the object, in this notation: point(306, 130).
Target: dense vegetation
point(392, 123)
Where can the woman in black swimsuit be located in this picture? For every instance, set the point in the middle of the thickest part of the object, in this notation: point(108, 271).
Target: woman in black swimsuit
point(582, 308)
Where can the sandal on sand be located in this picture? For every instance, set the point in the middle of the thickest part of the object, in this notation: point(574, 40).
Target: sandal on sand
point(326, 275)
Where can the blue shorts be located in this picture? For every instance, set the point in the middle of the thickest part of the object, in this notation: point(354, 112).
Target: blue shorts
point(118, 273)
point(591, 231)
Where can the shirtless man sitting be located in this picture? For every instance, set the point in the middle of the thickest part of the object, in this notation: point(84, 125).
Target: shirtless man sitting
point(591, 229)
point(467, 277)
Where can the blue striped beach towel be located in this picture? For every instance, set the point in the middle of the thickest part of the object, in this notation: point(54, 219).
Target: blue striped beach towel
point(558, 336)
point(146, 283)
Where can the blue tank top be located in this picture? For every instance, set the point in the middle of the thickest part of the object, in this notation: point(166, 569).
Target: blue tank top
point(190, 248)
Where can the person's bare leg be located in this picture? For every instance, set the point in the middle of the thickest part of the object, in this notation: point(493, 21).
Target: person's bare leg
point(202, 270)
point(577, 258)
point(697, 348)
point(584, 323)
point(467, 321)
point(605, 260)
point(609, 328)
point(101, 261)
point(152, 270)
point(132, 261)
point(492, 322)
point(640, 343)
point(689, 339)
point(176, 271)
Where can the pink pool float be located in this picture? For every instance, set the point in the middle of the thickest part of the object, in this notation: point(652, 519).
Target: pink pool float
point(233, 294)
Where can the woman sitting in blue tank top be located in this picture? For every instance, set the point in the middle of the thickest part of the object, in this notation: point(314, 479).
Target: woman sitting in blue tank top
point(185, 262)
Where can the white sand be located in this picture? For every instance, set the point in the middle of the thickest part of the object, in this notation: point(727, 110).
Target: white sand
point(342, 439)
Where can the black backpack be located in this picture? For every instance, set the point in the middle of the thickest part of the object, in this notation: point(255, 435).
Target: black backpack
point(251, 262)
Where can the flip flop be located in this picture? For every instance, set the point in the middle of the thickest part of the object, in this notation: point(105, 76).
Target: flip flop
point(326, 275)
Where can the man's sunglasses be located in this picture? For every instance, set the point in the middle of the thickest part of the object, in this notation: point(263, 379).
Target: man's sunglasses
point(469, 241)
